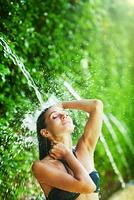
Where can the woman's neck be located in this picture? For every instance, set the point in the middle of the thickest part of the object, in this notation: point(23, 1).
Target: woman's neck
point(66, 140)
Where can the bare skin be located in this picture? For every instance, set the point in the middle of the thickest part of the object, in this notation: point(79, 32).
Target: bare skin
point(59, 129)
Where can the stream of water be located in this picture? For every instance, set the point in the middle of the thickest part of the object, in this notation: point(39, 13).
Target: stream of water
point(105, 145)
point(8, 53)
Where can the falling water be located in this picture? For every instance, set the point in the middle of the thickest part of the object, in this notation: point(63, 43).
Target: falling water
point(115, 139)
point(123, 131)
point(29, 120)
point(8, 53)
point(115, 168)
point(112, 160)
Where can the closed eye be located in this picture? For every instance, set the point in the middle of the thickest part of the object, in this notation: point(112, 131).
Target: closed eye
point(54, 117)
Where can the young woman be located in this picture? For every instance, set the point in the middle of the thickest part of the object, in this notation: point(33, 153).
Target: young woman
point(64, 172)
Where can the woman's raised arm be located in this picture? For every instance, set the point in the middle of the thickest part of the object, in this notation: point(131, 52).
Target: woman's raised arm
point(87, 105)
point(93, 125)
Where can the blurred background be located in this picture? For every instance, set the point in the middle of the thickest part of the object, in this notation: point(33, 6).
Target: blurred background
point(65, 50)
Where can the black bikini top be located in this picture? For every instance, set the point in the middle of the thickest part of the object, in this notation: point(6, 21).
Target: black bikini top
point(58, 194)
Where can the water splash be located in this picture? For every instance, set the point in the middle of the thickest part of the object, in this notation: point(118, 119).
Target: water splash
point(8, 53)
point(115, 168)
point(84, 62)
point(108, 152)
point(71, 90)
point(123, 131)
point(116, 141)
point(29, 120)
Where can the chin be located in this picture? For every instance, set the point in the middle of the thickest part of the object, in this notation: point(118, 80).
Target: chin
point(70, 129)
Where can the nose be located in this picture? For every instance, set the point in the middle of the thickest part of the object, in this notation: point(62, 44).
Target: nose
point(63, 115)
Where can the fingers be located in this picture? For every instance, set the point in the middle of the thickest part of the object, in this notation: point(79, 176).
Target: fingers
point(53, 154)
point(54, 142)
point(57, 150)
point(58, 145)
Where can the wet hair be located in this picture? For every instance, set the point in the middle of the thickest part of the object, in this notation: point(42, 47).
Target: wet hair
point(43, 142)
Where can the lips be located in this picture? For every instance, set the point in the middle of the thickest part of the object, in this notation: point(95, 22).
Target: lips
point(65, 122)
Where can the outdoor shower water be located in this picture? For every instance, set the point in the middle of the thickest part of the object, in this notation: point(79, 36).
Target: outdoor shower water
point(116, 141)
point(29, 119)
point(123, 131)
point(8, 53)
point(108, 152)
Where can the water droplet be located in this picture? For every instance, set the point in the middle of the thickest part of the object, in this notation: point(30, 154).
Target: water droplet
point(45, 13)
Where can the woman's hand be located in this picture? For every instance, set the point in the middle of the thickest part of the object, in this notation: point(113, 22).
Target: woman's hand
point(59, 151)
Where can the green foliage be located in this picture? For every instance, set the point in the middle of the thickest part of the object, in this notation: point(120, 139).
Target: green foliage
point(87, 43)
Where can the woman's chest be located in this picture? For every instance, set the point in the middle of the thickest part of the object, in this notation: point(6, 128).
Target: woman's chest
point(62, 167)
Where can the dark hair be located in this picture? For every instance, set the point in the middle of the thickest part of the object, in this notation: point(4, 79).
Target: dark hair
point(43, 142)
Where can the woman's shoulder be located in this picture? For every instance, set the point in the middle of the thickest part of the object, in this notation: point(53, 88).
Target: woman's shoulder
point(38, 163)
point(45, 163)
point(35, 165)
point(40, 167)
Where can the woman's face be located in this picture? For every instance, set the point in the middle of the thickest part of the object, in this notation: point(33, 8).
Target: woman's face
point(58, 121)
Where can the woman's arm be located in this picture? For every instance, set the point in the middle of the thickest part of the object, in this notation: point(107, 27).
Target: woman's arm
point(50, 175)
point(80, 173)
point(93, 125)
point(87, 105)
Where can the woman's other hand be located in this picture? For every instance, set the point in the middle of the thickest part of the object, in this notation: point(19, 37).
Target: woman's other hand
point(59, 151)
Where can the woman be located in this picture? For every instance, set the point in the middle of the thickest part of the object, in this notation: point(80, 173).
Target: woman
point(65, 173)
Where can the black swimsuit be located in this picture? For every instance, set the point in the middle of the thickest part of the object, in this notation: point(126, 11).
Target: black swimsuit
point(58, 194)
